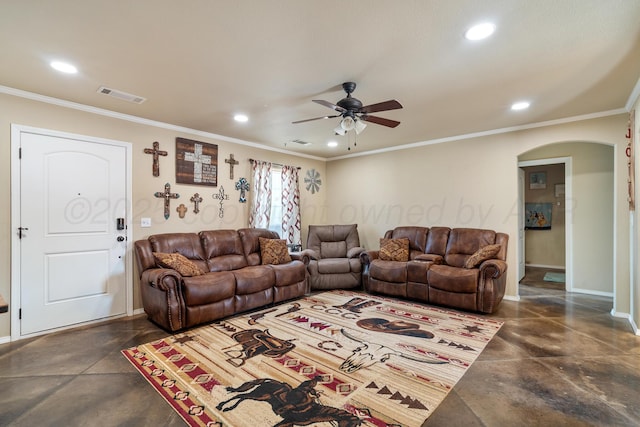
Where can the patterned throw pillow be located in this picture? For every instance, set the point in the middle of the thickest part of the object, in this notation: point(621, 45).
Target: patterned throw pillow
point(179, 263)
point(482, 254)
point(394, 249)
point(273, 251)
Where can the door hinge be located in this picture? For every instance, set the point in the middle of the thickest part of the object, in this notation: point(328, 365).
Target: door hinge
point(20, 152)
point(20, 314)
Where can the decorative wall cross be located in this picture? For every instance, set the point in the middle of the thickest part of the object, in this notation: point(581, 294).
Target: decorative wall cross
point(167, 196)
point(222, 197)
point(232, 162)
point(156, 152)
point(196, 200)
point(182, 209)
point(198, 160)
point(243, 186)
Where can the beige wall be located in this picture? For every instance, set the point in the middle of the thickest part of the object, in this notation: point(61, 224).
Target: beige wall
point(590, 209)
point(472, 183)
point(15, 110)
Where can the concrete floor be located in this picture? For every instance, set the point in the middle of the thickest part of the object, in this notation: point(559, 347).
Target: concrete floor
point(559, 360)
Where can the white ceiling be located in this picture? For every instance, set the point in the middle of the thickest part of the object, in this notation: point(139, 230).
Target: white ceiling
point(198, 62)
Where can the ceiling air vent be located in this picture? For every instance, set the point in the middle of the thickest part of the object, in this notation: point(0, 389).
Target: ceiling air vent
point(121, 95)
point(301, 142)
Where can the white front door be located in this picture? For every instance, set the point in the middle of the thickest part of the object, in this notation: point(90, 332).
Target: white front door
point(73, 265)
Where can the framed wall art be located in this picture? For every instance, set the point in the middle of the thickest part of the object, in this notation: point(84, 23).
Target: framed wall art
point(537, 216)
point(537, 180)
point(196, 162)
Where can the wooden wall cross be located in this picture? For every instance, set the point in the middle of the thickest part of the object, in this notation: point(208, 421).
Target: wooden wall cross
point(167, 195)
point(182, 209)
point(156, 152)
point(232, 162)
point(196, 199)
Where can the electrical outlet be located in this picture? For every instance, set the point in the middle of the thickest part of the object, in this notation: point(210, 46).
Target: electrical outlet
point(145, 222)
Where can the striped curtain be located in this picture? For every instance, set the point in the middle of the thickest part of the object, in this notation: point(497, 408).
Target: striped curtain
point(291, 224)
point(261, 195)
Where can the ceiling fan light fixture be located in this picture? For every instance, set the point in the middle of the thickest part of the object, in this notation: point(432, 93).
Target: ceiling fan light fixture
point(348, 123)
point(339, 131)
point(359, 126)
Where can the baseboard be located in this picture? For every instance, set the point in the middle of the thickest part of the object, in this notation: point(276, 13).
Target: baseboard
point(592, 292)
point(628, 318)
point(4, 340)
point(515, 298)
point(554, 267)
point(138, 311)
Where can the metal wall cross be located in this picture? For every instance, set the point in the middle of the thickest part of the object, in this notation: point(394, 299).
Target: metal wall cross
point(196, 200)
point(232, 162)
point(222, 197)
point(167, 196)
point(156, 152)
point(243, 186)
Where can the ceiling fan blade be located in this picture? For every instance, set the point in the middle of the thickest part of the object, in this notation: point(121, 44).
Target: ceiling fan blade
point(330, 105)
point(380, 121)
point(381, 106)
point(316, 118)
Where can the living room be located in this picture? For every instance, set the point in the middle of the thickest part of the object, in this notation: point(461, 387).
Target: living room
point(454, 179)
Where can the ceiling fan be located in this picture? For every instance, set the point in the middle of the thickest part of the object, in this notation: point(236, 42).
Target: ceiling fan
point(353, 113)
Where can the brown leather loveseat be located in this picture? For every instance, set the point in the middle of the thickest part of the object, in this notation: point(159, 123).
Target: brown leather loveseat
point(463, 268)
point(229, 276)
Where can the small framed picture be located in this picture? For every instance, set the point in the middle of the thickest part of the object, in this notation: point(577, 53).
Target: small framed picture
point(537, 180)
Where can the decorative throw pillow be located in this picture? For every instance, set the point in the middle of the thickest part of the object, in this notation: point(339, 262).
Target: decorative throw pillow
point(394, 249)
point(273, 251)
point(482, 254)
point(179, 263)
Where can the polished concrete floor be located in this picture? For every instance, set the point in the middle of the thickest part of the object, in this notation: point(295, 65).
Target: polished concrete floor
point(559, 360)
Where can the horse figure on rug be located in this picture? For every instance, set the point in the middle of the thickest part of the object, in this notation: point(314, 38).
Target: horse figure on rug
point(297, 406)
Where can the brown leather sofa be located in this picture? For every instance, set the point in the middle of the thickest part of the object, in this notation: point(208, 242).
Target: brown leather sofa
point(234, 279)
point(435, 271)
point(333, 257)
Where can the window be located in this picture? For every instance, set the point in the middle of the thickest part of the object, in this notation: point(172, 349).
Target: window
point(275, 217)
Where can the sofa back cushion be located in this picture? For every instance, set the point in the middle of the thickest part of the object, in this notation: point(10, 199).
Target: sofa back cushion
point(251, 243)
point(464, 242)
point(333, 241)
point(223, 250)
point(437, 240)
point(186, 244)
point(417, 238)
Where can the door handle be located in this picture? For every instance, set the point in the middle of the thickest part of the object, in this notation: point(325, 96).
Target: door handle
point(121, 239)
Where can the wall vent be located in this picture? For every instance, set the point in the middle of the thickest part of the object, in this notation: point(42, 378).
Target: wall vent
point(121, 95)
point(301, 142)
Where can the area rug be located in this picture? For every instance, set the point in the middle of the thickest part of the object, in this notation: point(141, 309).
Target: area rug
point(336, 358)
point(551, 276)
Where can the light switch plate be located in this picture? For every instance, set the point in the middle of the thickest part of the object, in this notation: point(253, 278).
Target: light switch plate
point(145, 222)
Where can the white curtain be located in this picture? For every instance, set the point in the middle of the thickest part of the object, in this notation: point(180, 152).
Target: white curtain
point(261, 195)
point(291, 224)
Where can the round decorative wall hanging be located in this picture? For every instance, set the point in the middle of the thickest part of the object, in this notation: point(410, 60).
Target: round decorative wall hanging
point(313, 181)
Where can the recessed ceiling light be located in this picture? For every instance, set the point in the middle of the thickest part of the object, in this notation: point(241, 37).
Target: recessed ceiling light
point(480, 31)
point(63, 67)
point(522, 105)
point(332, 144)
point(241, 118)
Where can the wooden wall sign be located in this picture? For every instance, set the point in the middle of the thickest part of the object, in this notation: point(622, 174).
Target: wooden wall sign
point(196, 162)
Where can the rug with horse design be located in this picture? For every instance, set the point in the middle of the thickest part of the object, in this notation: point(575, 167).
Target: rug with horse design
point(336, 358)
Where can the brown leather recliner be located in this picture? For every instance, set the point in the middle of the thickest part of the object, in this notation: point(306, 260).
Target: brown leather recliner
point(333, 254)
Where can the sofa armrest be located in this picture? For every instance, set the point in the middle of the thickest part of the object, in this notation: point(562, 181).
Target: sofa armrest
point(434, 258)
point(161, 292)
point(355, 252)
point(367, 257)
point(303, 256)
point(493, 268)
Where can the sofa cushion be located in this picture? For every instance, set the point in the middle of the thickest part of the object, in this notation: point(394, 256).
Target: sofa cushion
point(274, 251)
point(333, 249)
point(209, 288)
point(388, 271)
point(394, 249)
point(453, 279)
point(482, 254)
point(250, 238)
point(464, 242)
point(290, 273)
point(178, 262)
point(334, 265)
point(223, 249)
point(253, 279)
